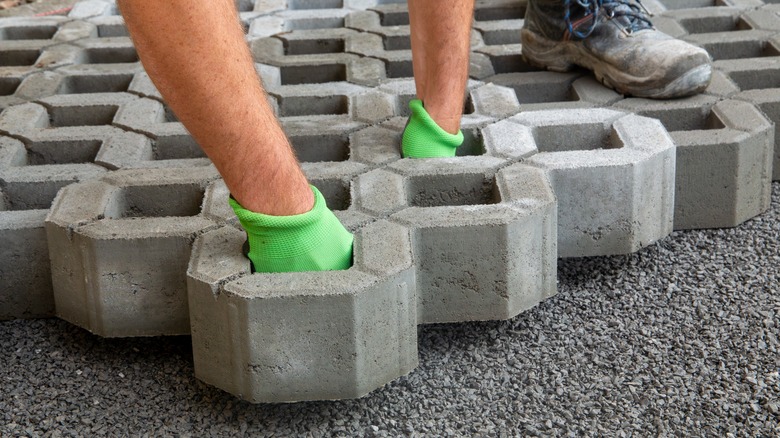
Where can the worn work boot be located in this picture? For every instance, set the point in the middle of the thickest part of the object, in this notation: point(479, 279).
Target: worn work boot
point(616, 40)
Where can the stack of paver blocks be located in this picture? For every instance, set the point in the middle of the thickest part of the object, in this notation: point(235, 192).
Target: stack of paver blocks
point(112, 218)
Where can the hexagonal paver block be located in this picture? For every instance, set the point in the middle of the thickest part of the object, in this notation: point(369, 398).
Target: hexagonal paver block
point(295, 68)
point(119, 248)
point(485, 240)
point(724, 159)
point(541, 90)
point(27, 190)
point(84, 130)
point(613, 175)
point(306, 335)
point(768, 101)
point(25, 276)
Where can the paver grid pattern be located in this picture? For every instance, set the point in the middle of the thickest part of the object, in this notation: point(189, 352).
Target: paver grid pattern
point(77, 106)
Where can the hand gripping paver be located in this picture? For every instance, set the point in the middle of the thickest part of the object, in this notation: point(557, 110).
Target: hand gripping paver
point(724, 159)
point(613, 175)
point(119, 247)
point(484, 238)
point(304, 336)
point(390, 102)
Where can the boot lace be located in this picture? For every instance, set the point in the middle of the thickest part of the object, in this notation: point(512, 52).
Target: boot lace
point(629, 15)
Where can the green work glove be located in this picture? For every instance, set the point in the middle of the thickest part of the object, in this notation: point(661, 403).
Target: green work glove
point(312, 241)
point(423, 138)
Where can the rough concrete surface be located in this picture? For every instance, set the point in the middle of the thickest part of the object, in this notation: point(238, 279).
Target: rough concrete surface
point(680, 335)
point(304, 336)
point(678, 339)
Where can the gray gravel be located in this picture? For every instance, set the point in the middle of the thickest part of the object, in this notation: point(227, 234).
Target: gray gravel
point(681, 338)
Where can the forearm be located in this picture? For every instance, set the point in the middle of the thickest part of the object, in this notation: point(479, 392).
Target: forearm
point(196, 55)
point(441, 33)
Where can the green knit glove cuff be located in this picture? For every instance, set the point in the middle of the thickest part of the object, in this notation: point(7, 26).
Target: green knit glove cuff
point(423, 138)
point(312, 241)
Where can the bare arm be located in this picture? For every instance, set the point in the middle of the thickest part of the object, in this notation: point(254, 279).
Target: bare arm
point(196, 55)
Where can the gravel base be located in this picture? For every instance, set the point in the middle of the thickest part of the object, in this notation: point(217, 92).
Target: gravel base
point(681, 338)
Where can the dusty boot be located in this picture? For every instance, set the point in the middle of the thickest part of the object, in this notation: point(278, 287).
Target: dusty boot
point(616, 40)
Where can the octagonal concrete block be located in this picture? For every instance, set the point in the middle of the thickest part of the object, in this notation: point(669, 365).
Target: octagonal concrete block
point(27, 189)
point(306, 335)
point(768, 101)
point(613, 175)
point(724, 173)
point(484, 240)
point(724, 158)
point(119, 249)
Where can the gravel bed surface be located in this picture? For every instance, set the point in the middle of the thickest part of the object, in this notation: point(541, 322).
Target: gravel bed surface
point(680, 338)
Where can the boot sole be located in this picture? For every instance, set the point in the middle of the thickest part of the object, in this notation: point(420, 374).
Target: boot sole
point(561, 56)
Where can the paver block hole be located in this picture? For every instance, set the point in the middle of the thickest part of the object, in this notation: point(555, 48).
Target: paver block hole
point(395, 18)
point(688, 119)
point(112, 30)
point(316, 148)
point(308, 74)
point(82, 116)
point(399, 69)
point(9, 85)
point(314, 23)
point(176, 147)
point(336, 193)
point(15, 58)
point(544, 93)
point(27, 32)
point(62, 152)
point(160, 201)
point(741, 49)
point(20, 197)
point(513, 63)
point(170, 116)
point(582, 137)
point(309, 47)
point(292, 106)
point(245, 5)
point(472, 144)
point(315, 4)
point(95, 84)
point(501, 37)
point(499, 13)
point(451, 190)
point(397, 42)
point(688, 4)
point(714, 24)
point(756, 79)
point(111, 55)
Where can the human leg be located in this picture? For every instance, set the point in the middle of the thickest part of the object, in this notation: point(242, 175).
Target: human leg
point(440, 55)
point(196, 55)
point(615, 39)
